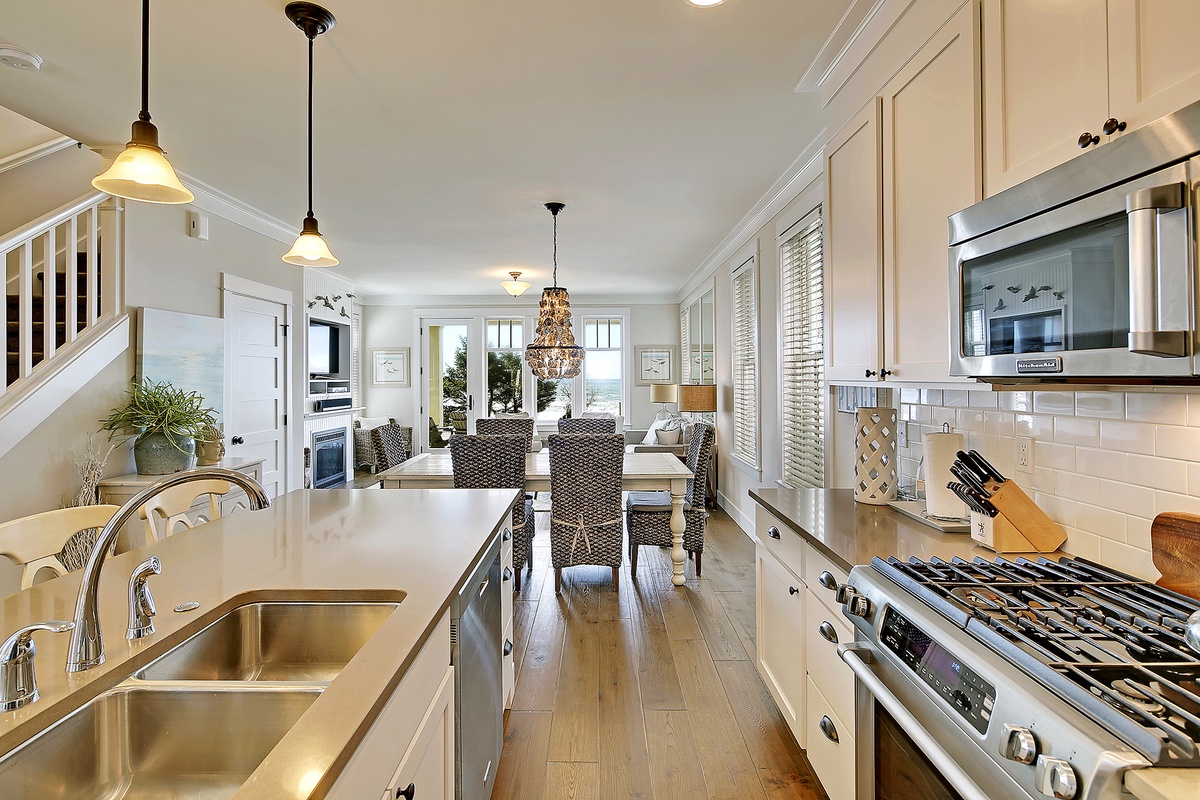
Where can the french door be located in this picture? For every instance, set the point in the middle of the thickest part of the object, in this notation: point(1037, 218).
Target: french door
point(451, 380)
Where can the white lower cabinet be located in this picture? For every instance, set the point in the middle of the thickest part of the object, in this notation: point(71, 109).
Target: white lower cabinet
point(412, 739)
point(780, 637)
point(830, 747)
point(823, 633)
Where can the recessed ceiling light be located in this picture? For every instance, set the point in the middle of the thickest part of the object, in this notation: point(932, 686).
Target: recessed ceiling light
point(20, 59)
point(705, 3)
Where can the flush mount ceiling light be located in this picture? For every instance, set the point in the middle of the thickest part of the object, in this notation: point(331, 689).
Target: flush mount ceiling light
point(310, 249)
point(20, 59)
point(705, 3)
point(515, 287)
point(141, 171)
point(554, 353)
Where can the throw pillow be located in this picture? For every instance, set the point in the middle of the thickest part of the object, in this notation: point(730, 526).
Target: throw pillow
point(668, 435)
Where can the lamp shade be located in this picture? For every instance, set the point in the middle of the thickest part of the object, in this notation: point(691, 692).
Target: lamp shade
point(142, 172)
point(696, 398)
point(515, 287)
point(664, 393)
point(310, 249)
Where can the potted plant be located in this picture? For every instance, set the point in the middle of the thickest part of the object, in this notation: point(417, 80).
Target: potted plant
point(165, 422)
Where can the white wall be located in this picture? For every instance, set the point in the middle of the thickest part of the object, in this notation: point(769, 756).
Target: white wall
point(31, 190)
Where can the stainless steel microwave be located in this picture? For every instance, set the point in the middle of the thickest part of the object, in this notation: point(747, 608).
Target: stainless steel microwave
point(1087, 272)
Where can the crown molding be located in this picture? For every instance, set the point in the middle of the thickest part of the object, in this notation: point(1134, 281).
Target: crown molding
point(524, 305)
point(847, 31)
point(228, 207)
point(37, 151)
point(803, 171)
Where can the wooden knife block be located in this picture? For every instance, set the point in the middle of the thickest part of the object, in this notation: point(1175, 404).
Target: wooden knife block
point(1020, 527)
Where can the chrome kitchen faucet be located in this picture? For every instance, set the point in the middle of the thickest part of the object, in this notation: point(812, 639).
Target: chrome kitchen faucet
point(87, 645)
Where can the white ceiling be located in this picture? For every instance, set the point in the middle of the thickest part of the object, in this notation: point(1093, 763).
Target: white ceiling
point(443, 125)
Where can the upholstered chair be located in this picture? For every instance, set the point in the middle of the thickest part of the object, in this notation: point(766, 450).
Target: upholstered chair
point(498, 462)
point(392, 445)
point(585, 502)
point(507, 426)
point(648, 514)
point(587, 425)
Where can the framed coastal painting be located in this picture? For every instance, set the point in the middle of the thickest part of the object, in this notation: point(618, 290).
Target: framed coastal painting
point(655, 363)
point(389, 366)
point(186, 350)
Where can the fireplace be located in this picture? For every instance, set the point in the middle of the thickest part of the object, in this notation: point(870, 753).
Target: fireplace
point(329, 458)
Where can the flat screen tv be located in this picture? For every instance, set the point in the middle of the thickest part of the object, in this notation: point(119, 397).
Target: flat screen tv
point(324, 347)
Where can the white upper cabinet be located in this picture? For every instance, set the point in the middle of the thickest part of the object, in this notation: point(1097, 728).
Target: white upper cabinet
point(1053, 72)
point(894, 173)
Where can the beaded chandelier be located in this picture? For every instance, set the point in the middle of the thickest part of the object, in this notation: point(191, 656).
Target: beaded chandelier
point(553, 353)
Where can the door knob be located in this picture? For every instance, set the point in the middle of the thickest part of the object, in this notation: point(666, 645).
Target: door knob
point(1086, 140)
point(1112, 125)
point(237, 440)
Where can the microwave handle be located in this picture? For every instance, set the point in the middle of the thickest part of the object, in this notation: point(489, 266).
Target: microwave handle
point(940, 759)
point(1142, 208)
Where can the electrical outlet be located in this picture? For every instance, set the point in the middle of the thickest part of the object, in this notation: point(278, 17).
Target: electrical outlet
point(1024, 454)
point(902, 435)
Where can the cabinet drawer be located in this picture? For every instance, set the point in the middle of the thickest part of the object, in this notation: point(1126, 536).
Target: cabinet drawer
point(779, 540)
point(832, 761)
point(832, 677)
point(816, 564)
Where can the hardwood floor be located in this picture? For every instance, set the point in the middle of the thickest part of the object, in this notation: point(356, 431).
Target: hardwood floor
point(647, 692)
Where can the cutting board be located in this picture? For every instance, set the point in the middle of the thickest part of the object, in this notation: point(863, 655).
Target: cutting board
point(1175, 548)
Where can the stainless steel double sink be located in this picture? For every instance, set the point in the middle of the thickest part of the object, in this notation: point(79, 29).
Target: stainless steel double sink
point(199, 720)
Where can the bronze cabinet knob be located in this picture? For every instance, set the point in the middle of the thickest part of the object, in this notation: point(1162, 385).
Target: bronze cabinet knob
point(1086, 140)
point(1112, 125)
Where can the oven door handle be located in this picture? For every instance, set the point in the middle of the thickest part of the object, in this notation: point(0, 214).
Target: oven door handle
point(953, 774)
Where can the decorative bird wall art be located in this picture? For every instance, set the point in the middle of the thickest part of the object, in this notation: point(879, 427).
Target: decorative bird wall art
point(1014, 289)
point(999, 306)
point(1033, 293)
point(1059, 295)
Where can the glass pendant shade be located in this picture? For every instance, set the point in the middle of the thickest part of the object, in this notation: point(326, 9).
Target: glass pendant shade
point(516, 287)
point(310, 249)
point(553, 353)
point(142, 172)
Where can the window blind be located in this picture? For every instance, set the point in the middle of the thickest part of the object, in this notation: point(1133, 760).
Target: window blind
point(802, 304)
point(685, 343)
point(745, 364)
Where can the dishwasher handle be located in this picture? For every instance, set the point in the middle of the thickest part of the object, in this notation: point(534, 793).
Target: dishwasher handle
point(940, 759)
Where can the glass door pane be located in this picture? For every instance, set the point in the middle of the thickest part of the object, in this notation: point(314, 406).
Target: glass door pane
point(451, 380)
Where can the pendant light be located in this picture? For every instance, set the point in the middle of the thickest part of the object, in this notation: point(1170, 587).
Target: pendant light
point(310, 249)
point(516, 287)
point(554, 353)
point(141, 171)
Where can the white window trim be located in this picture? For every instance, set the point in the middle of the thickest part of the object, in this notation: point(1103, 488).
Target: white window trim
point(747, 259)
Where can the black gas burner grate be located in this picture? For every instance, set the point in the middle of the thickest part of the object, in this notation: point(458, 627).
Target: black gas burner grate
point(1106, 641)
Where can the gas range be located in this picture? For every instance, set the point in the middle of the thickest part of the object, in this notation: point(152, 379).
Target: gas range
point(1064, 674)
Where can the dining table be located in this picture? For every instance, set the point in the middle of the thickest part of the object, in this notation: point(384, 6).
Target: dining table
point(639, 472)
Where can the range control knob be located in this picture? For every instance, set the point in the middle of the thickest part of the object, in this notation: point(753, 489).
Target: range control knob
point(859, 606)
point(1056, 778)
point(1018, 744)
point(843, 593)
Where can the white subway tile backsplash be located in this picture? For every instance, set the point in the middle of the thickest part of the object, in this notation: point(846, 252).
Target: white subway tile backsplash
point(1133, 560)
point(1157, 473)
point(1171, 501)
point(1100, 521)
point(1193, 487)
point(1167, 409)
point(910, 395)
point(998, 422)
point(922, 414)
point(1128, 437)
point(944, 416)
point(1054, 456)
point(969, 420)
point(1016, 401)
point(1077, 431)
point(1137, 532)
point(982, 400)
point(1043, 480)
point(1058, 509)
point(955, 398)
point(931, 397)
point(1039, 426)
point(1193, 409)
point(1054, 403)
point(1074, 486)
point(1173, 441)
point(1127, 498)
point(1082, 543)
point(1110, 405)
point(1101, 463)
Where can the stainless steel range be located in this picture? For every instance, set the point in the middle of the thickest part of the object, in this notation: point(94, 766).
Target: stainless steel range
point(1017, 679)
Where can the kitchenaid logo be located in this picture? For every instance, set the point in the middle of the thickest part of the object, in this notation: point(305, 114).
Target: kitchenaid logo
point(1048, 364)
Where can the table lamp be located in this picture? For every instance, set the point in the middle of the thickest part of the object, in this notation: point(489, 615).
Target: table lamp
point(663, 393)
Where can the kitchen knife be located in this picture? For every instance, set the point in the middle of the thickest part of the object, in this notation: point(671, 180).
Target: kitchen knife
point(972, 499)
point(982, 463)
point(968, 477)
point(973, 463)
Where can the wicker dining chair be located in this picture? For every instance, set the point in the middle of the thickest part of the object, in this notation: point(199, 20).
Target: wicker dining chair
point(585, 502)
point(498, 462)
point(507, 426)
point(587, 425)
point(648, 514)
point(390, 445)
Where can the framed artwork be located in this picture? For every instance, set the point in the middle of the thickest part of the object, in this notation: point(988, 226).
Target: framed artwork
point(655, 364)
point(187, 350)
point(389, 366)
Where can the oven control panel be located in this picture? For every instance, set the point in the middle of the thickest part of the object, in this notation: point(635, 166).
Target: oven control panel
point(965, 691)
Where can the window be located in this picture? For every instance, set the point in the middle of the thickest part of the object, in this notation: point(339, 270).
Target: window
point(602, 365)
point(745, 358)
point(505, 365)
point(803, 360)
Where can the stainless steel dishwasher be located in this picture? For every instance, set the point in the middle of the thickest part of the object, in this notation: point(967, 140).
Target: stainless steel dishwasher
point(476, 646)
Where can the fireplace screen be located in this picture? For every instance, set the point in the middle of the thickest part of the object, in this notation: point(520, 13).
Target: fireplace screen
point(329, 458)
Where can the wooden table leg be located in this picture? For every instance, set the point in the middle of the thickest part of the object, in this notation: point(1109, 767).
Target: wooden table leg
point(678, 523)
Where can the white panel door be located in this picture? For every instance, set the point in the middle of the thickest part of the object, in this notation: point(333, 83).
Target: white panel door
point(256, 346)
point(451, 380)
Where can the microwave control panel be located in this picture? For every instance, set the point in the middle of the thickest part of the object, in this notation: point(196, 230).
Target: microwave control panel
point(963, 690)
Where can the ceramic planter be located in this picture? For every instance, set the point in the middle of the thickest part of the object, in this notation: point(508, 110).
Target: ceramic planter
point(156, 454)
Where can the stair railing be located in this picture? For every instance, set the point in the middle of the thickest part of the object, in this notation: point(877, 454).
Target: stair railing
point(63, 276)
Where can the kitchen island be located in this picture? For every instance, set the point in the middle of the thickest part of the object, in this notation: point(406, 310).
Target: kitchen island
point(414, 548)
